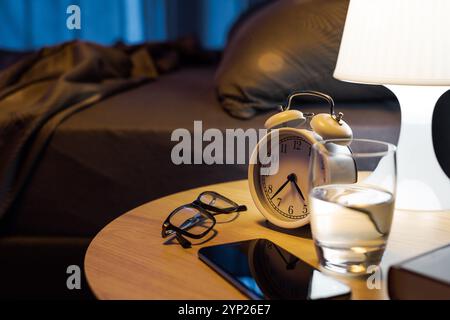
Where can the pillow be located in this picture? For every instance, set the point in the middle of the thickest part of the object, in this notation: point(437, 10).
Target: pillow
point(286, 46)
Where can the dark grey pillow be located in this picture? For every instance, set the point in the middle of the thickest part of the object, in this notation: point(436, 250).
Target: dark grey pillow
point(286, 46)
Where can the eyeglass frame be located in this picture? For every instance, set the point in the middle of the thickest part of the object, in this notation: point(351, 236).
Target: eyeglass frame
point(205, 209)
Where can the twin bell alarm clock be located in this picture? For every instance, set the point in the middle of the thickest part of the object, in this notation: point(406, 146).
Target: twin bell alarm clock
point(282, 197)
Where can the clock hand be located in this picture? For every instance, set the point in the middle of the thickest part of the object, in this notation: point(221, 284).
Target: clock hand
point(298, 188)
point(288, 179)
point(279, 189)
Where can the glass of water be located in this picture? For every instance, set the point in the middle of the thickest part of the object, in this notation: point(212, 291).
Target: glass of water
point(352, 200)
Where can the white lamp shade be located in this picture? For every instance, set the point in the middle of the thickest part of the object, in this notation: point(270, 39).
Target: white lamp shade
point(404, 42)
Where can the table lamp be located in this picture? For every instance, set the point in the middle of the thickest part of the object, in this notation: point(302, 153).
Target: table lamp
point(405, 46)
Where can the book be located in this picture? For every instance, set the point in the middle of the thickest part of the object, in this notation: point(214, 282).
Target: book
point(423, 277)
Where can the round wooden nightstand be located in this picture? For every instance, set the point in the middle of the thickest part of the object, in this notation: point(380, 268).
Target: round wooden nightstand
point(128, 259)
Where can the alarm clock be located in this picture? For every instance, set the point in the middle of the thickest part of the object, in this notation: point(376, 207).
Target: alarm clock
point(282, 197)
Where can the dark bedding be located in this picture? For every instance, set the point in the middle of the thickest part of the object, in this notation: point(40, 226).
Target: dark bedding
point(43, 89)
point(286, 44)
point(115, 155)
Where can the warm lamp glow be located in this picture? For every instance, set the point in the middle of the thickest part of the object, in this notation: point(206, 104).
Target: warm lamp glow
point(396, 42)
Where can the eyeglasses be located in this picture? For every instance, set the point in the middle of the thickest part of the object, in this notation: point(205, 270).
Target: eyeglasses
point(197, 219)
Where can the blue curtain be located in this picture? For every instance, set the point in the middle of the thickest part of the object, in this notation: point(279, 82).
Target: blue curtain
point(31, 24)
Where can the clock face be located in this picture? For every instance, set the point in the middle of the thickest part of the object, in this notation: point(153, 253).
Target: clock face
point(283, 197)
point(285, 193)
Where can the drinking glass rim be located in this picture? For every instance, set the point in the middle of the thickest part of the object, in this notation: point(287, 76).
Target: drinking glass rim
point(390, 148)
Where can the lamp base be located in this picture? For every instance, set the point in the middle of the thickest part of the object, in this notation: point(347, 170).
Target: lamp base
point(421, 182)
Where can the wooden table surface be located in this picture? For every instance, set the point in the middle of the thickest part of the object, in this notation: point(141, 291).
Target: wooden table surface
point(128, 259)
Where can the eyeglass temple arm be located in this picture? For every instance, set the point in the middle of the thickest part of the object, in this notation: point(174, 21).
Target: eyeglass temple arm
point(191, 221)
point(183, 241)
point(241, 208)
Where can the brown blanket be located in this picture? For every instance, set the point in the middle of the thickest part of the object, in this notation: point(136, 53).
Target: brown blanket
point(42, 90)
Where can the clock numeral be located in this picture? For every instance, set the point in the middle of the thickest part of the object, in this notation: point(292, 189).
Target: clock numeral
point(297, 145)
point(270, 188)
point(305, 209)
point(283, 148)
point(279, 201)
point(291, 209)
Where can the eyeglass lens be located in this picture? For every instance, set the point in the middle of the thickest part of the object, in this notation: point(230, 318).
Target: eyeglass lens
point(192, 220)
point(216, 200)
